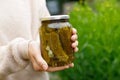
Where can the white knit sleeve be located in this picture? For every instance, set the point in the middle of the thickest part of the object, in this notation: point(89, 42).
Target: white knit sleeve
point(43, 10)
point(13, 57)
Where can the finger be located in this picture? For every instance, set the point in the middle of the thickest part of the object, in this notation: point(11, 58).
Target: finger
point(35, 65)
point(75, 44)
point(74, 37)
point(74, 31)
point(51, 69)
point(71, 65)
point(37, 59)
point(41, 62)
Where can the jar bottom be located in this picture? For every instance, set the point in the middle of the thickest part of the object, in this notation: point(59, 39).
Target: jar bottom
point(54, 62)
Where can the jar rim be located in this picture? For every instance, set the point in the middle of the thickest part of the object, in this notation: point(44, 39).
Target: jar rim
point(55, 17)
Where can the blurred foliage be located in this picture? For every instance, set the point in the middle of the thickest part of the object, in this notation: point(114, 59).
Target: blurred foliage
point(98, 29)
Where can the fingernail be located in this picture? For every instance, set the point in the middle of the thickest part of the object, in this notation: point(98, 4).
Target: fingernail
point(72, 65)
point(76, 49)
point(44, 67)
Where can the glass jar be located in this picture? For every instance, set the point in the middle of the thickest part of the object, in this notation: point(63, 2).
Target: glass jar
point(55, 38)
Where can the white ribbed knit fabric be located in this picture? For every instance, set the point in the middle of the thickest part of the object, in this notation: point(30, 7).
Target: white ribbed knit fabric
point(19, 23)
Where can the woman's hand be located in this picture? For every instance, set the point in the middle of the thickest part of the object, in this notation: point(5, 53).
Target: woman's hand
point(74, 39)
point(39, 64)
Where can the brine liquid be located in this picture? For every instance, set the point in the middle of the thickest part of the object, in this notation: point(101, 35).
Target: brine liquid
point(56, 45)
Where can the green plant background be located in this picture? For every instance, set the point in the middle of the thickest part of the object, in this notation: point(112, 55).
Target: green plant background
point(98, 29)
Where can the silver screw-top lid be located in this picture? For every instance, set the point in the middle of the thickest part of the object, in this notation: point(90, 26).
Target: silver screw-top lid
point(55, 17)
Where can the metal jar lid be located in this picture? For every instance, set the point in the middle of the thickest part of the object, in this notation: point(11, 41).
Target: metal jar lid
point(55, 17)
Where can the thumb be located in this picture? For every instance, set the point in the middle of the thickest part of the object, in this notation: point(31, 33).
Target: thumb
point(41, 62)
point(38, 62)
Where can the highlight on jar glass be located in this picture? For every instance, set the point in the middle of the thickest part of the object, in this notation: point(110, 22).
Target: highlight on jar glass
point(55, 40)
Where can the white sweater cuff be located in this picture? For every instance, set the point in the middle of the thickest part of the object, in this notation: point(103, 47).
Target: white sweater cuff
point(19, 48)
point(23, 49)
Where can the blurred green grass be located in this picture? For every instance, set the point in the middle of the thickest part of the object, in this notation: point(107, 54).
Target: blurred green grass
point(98, 29)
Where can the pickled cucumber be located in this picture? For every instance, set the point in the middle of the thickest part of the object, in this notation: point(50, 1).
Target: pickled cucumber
point(56, 45)
point(65, 35)
point(43, 42)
